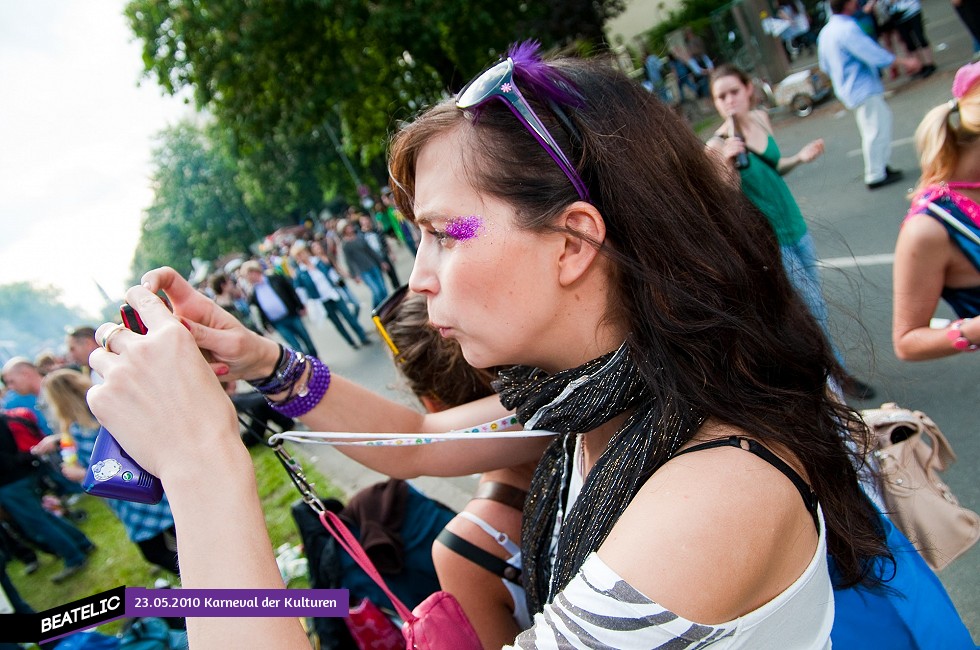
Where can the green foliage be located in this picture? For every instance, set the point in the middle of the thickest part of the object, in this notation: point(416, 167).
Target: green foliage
point(118, 561)
point(198, 209)
point(278, 493)
point(276, 73)
point(695, 14)
point(33, 318)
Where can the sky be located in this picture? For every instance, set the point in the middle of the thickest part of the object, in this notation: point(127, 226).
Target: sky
point(76, 133)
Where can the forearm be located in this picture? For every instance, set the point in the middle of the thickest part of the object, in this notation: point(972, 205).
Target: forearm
point(788, 164)
point(347, 406)
point(350, 407)
point(223, 544)
point(924, 343)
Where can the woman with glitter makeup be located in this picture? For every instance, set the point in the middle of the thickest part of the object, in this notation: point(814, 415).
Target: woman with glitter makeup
point(938, 250)
point(697, 478)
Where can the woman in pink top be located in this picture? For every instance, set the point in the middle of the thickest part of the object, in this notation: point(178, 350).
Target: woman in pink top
point(938, 250)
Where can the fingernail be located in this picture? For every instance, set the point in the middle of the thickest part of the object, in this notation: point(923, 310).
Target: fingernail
point(221, 370)
point(146, 285)
point(185, 324)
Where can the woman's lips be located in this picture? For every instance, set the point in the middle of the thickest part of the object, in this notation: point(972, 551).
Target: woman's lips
point(443, 330)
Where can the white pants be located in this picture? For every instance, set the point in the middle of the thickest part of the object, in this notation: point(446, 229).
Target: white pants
point(874, 120)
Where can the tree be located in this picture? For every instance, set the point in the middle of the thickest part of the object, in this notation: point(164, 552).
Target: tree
point(33, 318)
point(276, 72)
point(198, 209)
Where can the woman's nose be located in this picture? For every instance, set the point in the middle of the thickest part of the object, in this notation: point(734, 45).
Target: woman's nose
point(423, 278)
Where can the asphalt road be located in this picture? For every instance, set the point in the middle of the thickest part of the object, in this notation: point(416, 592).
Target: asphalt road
point(855, 233)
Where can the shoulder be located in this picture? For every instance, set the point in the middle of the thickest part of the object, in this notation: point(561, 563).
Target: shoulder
point(722, 519)
point(923, 229)
point(924, 239)
point(762, 118)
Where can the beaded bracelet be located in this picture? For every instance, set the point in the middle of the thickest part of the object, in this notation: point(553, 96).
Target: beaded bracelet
point(309, 394)
point(959, 341)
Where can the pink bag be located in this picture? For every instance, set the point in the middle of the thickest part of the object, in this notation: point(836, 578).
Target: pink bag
point(371, 629)
point(438, 623)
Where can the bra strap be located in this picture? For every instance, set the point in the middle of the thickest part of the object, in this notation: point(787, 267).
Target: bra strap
point(498, 536)
point(809, 498)
point(963, 185)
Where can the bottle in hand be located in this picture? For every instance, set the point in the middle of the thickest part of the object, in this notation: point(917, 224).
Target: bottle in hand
point(742, 159)
point(69, 450)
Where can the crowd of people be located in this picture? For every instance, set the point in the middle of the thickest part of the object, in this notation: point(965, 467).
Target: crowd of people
point(309, 274)
point(304, 273)
point(706, 483)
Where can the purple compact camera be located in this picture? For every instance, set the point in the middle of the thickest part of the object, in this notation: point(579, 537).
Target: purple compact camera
point(112, 473)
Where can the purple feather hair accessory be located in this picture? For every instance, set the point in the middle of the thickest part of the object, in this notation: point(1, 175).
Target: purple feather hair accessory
point(534, 75)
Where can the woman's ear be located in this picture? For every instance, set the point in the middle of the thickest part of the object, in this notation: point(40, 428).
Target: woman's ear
point(581, 245)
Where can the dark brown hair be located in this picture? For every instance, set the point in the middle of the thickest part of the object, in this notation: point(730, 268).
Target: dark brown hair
point(217, 282)
point(82, 333)
point(714, 322)
point(729, 70)
point(433, 366)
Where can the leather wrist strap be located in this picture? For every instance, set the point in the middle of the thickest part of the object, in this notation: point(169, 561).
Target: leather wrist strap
point(501, 493)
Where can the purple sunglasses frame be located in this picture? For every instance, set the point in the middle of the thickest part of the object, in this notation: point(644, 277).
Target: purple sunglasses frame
point(497, 81)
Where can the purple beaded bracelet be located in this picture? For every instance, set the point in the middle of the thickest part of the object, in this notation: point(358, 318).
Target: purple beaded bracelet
point(309, 395)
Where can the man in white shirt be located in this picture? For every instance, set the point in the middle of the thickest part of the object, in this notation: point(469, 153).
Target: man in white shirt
point(853, 59)
point(279, 307)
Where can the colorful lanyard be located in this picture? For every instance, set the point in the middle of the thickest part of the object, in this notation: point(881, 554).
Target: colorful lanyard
point(507, 427)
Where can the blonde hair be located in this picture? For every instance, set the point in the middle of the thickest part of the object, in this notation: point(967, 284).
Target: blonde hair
point(65, 391)
point(938, 139)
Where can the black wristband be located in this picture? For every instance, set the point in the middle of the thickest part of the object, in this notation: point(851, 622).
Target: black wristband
point(275, 369)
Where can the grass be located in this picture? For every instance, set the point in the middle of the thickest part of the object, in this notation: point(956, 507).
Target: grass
point(118, 561)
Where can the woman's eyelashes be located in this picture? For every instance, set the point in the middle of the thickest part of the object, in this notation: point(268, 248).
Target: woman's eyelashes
point(458, 229)
point(464, 228)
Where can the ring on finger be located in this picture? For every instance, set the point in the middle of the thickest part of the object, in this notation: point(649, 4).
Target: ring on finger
point(108, 336)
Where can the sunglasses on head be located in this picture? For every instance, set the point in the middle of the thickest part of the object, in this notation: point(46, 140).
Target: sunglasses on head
point(497, 81)
point(384, 313)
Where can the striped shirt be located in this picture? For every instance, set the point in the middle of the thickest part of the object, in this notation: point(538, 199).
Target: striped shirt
point(600, 609)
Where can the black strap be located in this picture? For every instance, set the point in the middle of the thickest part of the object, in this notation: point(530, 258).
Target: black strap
point(479, 557)
point(809, 498)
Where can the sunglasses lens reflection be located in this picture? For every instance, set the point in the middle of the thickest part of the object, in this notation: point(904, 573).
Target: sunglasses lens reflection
point(485, 86)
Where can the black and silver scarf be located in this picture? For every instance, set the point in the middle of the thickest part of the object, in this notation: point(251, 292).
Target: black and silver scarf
point(577, 401)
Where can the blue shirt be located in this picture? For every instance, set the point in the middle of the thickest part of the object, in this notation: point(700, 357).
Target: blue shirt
point(142, 521)
point(852, 59)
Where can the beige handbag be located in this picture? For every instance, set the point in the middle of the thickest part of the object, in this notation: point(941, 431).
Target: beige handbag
point(911, 451)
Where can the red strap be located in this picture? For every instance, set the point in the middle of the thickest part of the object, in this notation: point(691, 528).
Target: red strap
point(349, 543)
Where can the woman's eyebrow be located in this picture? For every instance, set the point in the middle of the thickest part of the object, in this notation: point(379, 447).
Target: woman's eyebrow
point(426, 219)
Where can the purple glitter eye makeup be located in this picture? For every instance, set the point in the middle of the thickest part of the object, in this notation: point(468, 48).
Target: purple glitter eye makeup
point(463, 228)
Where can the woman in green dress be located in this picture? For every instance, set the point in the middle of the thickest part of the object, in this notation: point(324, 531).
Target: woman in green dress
point(746, 145)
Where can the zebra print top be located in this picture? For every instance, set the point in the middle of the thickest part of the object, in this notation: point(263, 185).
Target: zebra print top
point(598, 609)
